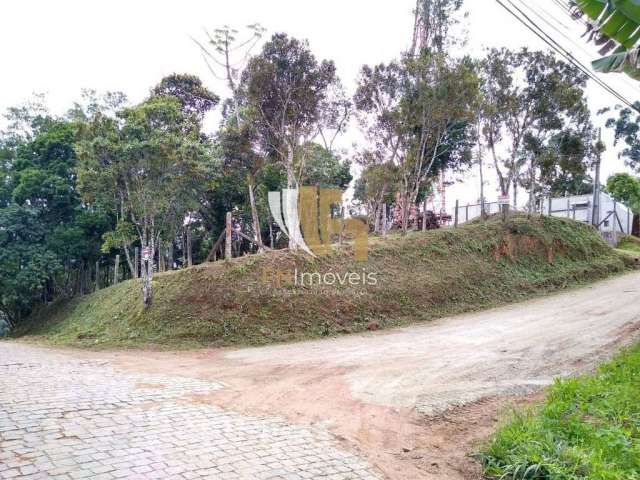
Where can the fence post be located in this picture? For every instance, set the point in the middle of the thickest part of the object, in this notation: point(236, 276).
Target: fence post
point(115, 269)
point(227, 242)
point(455, 216)
point(568, 207)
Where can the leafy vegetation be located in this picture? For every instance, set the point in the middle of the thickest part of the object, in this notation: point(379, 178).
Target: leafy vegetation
point(588, 428)
point(254, 300)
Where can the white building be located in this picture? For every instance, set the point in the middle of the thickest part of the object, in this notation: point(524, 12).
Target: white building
point(614, 218)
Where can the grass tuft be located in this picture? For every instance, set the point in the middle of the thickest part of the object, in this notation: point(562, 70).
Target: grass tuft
point(588, 428)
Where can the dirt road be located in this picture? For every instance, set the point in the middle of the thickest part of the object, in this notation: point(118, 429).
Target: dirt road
point(415, 401)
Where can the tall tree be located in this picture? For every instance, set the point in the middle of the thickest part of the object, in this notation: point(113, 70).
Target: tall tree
point(148, 163)
point(284, 89)
point(226, 53)
point(417, 115)
point(529, 98)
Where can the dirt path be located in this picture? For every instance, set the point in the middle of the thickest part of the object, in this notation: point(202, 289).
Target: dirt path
point(415, 401)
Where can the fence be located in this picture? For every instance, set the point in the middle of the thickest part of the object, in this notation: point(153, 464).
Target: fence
point(613, 218)
point(466, 213)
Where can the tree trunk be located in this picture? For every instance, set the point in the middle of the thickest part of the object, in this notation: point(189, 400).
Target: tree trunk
point(424, 215)
point(170, 255)
point(291, 212)
point(116, 266)
point(189, 247)
point(532, 188)
point(148, 268)
point(136, 262)
point(254, 214)
point(271, 239)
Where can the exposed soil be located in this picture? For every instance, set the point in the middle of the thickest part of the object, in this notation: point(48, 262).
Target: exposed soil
point(417, 401)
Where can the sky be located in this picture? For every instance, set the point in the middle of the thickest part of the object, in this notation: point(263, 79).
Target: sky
point(61, 47)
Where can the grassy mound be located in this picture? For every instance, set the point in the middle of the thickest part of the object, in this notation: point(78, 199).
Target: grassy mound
point(588, 428)
point(255, 300)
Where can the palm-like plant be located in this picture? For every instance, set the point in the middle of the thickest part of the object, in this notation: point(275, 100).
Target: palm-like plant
point(615, 25)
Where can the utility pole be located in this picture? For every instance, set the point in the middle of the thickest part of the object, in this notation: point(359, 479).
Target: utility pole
point(480, 165)
point(595, 217)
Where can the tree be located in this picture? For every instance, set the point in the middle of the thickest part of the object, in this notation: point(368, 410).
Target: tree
point(433, 20)
point(325, 169)
point(417, 116)
point(49, 239)
point(627, 129)
point(227, 52)
point(147, 164)
point(377, 186)
point(283, 89)
point(26, 265)
point(625, 188)
point(195, 99)
point(529, 98)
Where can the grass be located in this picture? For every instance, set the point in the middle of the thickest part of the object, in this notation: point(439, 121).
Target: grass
point(588, 428)
point(630, 244)
point(253, 300)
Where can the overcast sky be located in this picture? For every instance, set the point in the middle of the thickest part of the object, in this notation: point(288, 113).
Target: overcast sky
point(63, 46)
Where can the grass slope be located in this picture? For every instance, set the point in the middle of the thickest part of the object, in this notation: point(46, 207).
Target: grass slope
point(420, 277)
point(588, 428)
point(630, 244)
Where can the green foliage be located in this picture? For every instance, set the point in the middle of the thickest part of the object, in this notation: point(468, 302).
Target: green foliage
point(625, 188)
point(26, 265)
point(617, 21)
point(45, 230)
point(586, 429)
point(627, 129)
point(325, 169)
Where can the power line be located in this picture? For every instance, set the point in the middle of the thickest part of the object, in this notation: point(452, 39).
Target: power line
point(584, 68)
point(553, 44)
point(564, 7)
point(564, 52)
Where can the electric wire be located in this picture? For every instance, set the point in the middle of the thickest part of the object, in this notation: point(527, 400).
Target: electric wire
point(554, 45)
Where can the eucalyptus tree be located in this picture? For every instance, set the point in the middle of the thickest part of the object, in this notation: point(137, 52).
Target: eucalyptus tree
point(417, 116)
point(529, 97)
point(284, 90)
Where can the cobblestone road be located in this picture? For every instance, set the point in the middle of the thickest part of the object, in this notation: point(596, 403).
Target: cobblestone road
point(67, 418)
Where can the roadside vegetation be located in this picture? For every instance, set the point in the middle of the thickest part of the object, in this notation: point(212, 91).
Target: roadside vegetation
point(630, 244)
point(254, 300)
point(588, 428)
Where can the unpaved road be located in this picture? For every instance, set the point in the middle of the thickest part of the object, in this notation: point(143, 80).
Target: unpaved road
point(411, 402)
